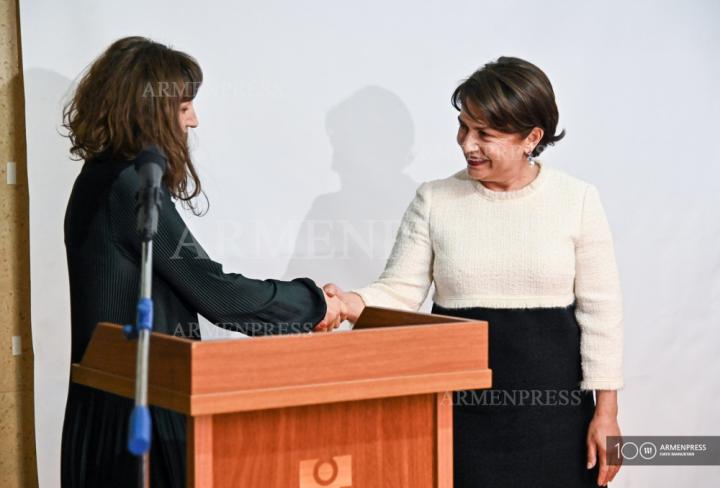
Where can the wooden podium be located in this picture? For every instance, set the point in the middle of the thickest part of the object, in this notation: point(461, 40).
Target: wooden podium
point(367, 408)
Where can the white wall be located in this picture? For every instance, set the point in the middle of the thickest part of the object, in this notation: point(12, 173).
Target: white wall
point(319, 118)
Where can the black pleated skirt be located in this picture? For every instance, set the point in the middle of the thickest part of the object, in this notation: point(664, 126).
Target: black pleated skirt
point(94, 443)
point(530, 429)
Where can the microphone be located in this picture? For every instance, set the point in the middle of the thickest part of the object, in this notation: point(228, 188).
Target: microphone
point(150, 165)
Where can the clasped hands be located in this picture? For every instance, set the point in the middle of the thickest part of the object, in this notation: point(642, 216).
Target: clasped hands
point(341, 305)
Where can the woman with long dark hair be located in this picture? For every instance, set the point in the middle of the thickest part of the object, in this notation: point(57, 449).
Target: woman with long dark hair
point(136, 93)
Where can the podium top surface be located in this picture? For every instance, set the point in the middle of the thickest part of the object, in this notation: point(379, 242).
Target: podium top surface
point(387, 358)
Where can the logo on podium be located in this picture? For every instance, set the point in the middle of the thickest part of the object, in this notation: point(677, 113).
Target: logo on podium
point(335, 472)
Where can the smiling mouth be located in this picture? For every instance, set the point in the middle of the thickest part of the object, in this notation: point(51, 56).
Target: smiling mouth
point(477, 162)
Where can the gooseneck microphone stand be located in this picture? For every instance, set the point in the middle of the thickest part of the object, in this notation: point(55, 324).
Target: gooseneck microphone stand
point(150, 166)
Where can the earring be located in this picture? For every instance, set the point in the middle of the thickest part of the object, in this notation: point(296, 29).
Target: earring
point(530, 158)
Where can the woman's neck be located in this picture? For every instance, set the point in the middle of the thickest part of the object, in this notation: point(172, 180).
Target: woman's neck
point(519, 180)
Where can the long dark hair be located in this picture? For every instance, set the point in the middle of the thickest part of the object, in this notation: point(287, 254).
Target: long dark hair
point(129, 97)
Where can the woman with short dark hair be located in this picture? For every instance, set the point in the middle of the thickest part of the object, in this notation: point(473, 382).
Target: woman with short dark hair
point(527, 248)
point(136, 93)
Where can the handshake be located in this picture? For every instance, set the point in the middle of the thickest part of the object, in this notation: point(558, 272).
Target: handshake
point(341, 306)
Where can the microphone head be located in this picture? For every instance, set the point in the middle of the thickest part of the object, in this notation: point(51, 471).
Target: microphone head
point(150, 165)
point(151, 154)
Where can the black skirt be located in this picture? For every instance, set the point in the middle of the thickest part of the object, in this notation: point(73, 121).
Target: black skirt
point(94, 443)
point(530, 429)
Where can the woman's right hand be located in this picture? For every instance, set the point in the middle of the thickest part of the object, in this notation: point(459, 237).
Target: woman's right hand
point(354, 303)
point(336, 312)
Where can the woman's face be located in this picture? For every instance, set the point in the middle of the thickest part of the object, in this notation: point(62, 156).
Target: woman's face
point(492, 155)
point(188, 117)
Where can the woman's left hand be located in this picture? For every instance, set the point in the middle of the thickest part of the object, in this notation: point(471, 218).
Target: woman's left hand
point(602, 425)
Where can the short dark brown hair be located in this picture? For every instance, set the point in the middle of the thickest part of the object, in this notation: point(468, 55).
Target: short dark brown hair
point(511, 95)
point(129, 97)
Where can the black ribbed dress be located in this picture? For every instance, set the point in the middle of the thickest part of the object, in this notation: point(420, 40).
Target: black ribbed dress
point(103, 253)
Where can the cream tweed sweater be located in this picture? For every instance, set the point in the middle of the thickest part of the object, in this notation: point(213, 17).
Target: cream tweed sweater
point(547, 244)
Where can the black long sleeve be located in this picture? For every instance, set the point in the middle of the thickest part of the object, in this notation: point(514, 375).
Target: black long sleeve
point(230, 300)
point(103, 253)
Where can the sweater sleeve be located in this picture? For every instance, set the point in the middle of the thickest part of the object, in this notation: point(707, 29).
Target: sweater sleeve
point(598, 299)
point(408, 273)
point(230, 300)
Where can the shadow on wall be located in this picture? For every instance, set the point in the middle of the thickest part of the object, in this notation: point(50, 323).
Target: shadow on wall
point(50, 178)
point(347, 236)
